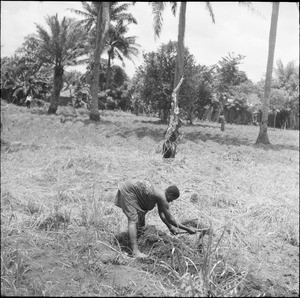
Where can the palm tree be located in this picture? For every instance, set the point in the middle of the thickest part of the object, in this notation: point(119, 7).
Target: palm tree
point(157, 8)
point(286, 73)
point(97, 17)
point(263, 129)
point(89, 13)
point(61, 47)
point(120, 46)
point(118, 13)
point(102, 25)
point(175, 122)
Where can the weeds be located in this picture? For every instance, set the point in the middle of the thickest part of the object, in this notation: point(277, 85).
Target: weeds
point(12, 270)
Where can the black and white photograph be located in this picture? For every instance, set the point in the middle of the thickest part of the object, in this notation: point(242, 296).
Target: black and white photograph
point(149, 149)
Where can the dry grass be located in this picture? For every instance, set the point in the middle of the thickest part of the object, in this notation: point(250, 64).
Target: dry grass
point(59, 223)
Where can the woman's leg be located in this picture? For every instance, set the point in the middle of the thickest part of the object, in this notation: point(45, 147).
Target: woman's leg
point(141, 222)
point(132, 231)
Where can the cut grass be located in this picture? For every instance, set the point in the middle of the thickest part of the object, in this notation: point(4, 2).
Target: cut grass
point(58, 181)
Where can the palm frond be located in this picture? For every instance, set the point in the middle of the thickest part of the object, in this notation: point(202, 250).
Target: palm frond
point(43, 34)
point(120, 56)
point(249, 6)
point(89, 13)
point(116, 8)
point(280, 68)
point(208, 6)
point(290, 69)
point(125, 17)
point(44, 40)
point(65, 42)
point(92, 8)
point(118, 45)
point(285, 73)
point(173, 7)
point(157, 10)
point(79, 12)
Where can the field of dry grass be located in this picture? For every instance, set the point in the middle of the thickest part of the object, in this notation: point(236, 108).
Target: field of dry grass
point(61, 234)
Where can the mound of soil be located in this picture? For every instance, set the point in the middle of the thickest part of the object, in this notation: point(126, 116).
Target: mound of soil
point(177, 253)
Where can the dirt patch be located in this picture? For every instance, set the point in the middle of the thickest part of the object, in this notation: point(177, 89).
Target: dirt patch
point(94, 268)
point(175, 253)
point(132, 281)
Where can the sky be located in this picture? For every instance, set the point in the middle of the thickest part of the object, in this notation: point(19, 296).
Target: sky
point(236, 30)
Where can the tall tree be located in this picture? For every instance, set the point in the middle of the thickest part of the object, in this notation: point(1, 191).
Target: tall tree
point(172, 133)
point(155, 77)
point(97, 18)
point(102, 25)
point(174, 122)
point(61, 47)
point(284, 96)
point(28, 54)
point(263, 128)
point(157, 10)
point(120, 46)
point(158, 73)
point(227, 76)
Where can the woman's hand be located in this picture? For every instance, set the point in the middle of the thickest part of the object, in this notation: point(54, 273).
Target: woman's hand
point(173, 231)
point(191, 230)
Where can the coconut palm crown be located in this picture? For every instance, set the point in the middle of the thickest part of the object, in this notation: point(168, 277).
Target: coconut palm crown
point(90, 10)
point(119, 46)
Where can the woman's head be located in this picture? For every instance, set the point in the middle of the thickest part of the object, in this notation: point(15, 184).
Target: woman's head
point(172, 193)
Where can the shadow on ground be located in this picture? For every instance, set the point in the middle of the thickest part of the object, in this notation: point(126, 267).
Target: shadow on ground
point(159, 122)
point(228, 140)
point(214, 126)
point(157, 134)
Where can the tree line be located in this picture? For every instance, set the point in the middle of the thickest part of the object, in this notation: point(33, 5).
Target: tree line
point(206, 91)
point(69, 42)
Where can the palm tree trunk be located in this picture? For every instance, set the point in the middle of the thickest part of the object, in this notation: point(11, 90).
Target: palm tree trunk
point(263, 129)
point(103, 19)
point(180, 46)
point(57, 85)
point(172, 134)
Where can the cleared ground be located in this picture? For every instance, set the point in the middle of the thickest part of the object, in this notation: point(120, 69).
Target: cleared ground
point(61, 234)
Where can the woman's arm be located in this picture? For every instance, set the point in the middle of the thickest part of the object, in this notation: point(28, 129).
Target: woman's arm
point(168, 219)
point(164, 220)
